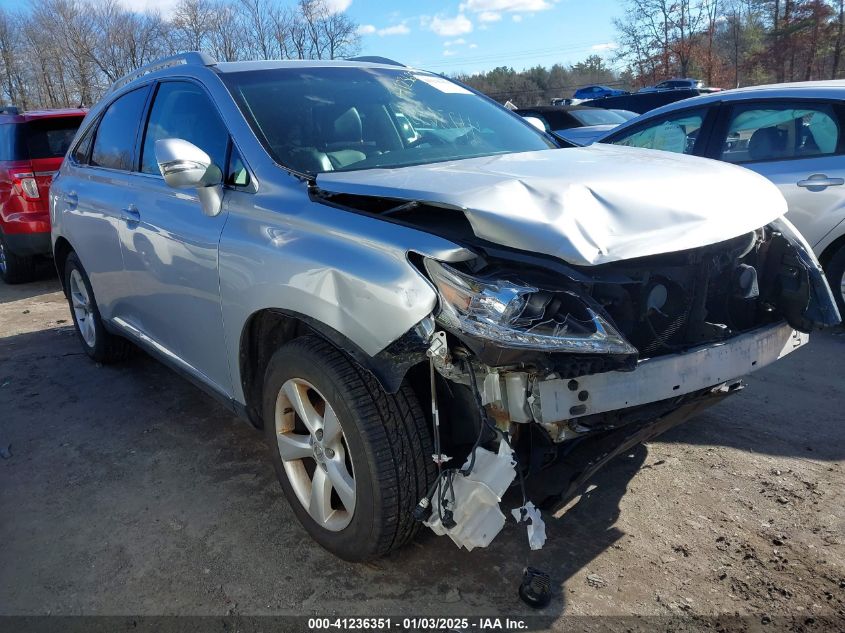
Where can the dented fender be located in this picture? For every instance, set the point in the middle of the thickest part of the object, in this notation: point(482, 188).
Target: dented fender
point(346, 271)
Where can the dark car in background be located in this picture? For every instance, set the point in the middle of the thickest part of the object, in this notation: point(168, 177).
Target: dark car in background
point(574, 122)
point(642, 102)
point(686, 83)
point(597, 92)
point(32, 146)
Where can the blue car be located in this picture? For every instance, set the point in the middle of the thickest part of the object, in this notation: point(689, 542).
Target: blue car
point(597, 92)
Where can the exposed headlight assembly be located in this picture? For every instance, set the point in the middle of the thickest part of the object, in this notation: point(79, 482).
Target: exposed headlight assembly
point(514, 315)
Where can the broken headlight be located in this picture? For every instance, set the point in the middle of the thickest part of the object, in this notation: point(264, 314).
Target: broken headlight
point(514, 315)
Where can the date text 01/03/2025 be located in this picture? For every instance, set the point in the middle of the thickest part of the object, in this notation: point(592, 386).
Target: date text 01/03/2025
point(417, 624)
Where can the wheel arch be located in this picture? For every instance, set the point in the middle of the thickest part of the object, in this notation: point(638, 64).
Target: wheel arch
point(266, 330)
point(61, 249)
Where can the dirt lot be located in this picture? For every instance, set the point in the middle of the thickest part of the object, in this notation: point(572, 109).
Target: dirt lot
point(128, 491)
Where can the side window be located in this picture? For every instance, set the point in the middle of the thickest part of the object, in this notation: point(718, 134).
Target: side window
point(114, 142)
point(182, 110)
point(236, 172)
point(676, 132)
point(780, 132)
point(83, 147)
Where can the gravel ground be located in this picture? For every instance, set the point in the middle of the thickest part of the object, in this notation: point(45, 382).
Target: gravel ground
point(128, 491)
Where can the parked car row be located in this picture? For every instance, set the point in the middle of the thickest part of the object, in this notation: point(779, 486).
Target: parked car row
point(421, 298)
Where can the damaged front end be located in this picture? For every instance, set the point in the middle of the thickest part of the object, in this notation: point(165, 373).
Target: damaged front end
point(570, 366)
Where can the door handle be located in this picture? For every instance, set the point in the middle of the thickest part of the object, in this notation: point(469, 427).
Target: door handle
point(820, 181)
point(130, 214)
point(71, 200)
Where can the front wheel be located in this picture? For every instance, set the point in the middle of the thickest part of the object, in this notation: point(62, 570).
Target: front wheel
point(353, 461)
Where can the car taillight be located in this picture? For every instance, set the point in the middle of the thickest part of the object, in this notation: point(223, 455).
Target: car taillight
point(25, 183)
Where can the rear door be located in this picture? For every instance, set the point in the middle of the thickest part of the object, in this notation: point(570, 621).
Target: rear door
point(90, 194)
point(170, 247)
point(799, 145)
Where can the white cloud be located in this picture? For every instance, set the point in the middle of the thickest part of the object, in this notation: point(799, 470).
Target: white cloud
point(450, 27)
point(473, 45)
point(337, 6)
point(458, 42)
point(608, 46)
point(516, 17)
point(449, 53)
point(396, 29)
point(164, 7)
point(508, 6)
point(489, 16)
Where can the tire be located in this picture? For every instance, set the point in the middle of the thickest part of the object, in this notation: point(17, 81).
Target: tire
point(99, 344)
point(382, 444)
point(835, 271)
point(15, 269)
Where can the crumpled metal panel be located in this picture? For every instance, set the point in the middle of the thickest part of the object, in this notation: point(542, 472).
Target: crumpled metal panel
point(590, 205)
point(346, 271)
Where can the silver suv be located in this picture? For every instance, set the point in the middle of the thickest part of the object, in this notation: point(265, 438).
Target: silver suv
point(420, 297)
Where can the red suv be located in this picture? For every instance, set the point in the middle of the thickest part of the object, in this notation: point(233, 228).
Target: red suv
point(32, 146)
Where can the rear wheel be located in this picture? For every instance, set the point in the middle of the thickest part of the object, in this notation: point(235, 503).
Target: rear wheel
point(835, 271)
point(99, 344)
point(352, 460)
point(15, 269)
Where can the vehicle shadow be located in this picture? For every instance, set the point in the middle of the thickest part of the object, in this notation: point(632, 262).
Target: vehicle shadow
point(789, 409)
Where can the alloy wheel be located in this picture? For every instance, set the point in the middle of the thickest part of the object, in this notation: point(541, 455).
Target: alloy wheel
point(315, 454)
point(82, 308)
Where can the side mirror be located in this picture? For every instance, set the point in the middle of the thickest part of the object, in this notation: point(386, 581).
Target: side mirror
point(186, 166)
point(536, 122)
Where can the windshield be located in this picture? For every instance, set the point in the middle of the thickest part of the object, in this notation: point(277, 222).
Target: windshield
point(315, 120)
point(597, 116)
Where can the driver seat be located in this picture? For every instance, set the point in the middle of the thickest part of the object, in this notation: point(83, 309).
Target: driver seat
point(343, 137)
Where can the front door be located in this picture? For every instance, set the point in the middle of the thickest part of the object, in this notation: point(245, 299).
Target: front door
point(170, 248)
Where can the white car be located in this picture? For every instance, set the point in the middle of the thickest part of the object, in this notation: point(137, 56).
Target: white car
point(793, 134)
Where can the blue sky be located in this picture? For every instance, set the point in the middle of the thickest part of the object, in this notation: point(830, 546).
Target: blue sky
point(450, 36)
point(469, 35)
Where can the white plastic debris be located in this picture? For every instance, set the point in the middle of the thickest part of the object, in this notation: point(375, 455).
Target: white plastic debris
point(536, 526)
point(476, 508)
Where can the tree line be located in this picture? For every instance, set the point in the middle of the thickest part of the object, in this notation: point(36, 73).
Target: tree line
point(725, 43)
point(732, 43)
point(67, 52)
point(539, 85)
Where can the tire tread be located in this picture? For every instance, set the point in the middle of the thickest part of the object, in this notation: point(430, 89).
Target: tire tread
point(398, 435)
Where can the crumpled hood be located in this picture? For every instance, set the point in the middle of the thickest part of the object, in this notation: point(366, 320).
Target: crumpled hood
point(589, 205)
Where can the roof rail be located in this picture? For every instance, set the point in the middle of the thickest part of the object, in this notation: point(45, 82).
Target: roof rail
point(192, 58)
point(375, 59)
point(9, 110)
